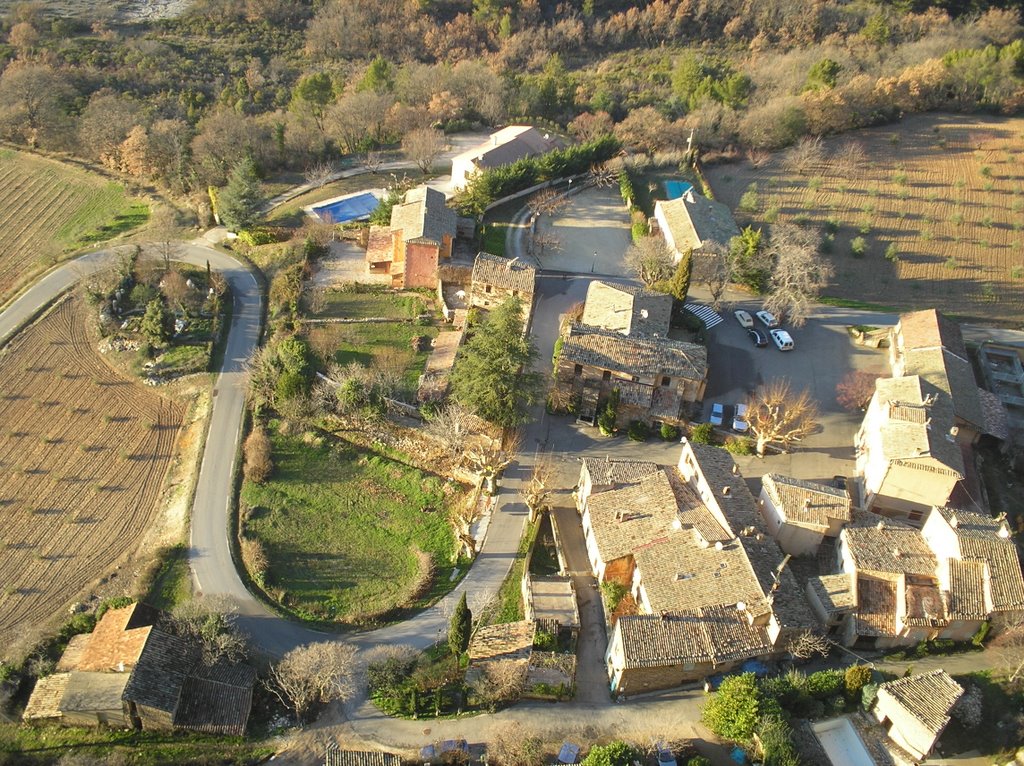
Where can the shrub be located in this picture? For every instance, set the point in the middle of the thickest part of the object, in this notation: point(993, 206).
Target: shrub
point(749, 202)
point(739, 445)
point(858, 247)
point(776, 740)
point(638, 431)
point(609, 415)
point(669, 432)
point(258, 461)
point(892, 252)
point(868, 694)
point(702, 433)
point(734, 710)
point(698, 760)
point(825, 683)
point(613, 592)
point(856, 678)
point(259, 235)
point(978, 639)
point(616, 753)
point(639, 230)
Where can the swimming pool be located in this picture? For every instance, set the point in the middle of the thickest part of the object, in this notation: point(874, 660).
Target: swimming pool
point(676, 189)
point(347, 209)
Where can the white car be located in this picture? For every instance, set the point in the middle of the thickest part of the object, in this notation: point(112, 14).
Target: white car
point(743, 318)
point(782, 339)
point(767, 319)
point(717, 414)
point(739, 420)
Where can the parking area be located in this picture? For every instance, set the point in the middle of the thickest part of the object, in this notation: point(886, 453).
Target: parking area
point(822, 354)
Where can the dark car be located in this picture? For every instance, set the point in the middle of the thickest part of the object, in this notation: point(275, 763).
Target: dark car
point(759, 339)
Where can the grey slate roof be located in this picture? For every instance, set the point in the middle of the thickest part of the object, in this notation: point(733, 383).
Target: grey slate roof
point(638, 355)
point(696, 220)
point(424, 216)
point(335, 756)
point(508, 273)
point(805, 502)
point(162, 668)
point(927, 697)
point(712, 634)
point(510, 144)
point(913, 429)
point(216, 698)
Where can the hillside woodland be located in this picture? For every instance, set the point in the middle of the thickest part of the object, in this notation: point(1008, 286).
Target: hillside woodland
point(177, 103)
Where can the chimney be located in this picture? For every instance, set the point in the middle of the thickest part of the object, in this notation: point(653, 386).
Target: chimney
point(719, 546)
point(954, 521)
point(880, 526)
point(726, 491)
point(735, 470)
point(807, 503)
point(664, 615)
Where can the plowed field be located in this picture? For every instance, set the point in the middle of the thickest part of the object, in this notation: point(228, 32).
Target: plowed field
point(944, 195)
point(48, 209)
point(83, 455)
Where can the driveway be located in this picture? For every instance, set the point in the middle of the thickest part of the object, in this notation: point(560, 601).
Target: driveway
point(592, 234)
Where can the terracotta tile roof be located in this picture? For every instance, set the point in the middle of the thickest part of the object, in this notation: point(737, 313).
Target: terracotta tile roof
point(996, 419)
point(695, 515)
point(889, 547)
point(720, 470)
point(508, 273)
point(931, 329)
point(46, 697)
point(118, 639)
point(913, 430)
point(876, 614)
point(640, 355)
point(927, 697)
point(806, 503)
point(694, 220)
point(379, 245)
point(983, 538)
point(712, 634)
point(424, 215)
point(835, 593)
point(965, 597)
point(507, 641)
point(216, 699)
point(605, 472)
point(623, 519)
point(335, 756)
point(73, 652)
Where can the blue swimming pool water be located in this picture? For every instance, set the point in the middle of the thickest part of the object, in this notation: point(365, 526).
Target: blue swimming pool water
point(351, 209)
point(676, 189)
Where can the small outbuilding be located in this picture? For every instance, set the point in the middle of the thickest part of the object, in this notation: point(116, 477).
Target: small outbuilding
point(915, 710)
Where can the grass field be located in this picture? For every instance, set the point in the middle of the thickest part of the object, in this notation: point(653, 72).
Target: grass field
point(387, 343)
point(348, 534)
point(931, 214)
point(83, 455)
point(49, 210)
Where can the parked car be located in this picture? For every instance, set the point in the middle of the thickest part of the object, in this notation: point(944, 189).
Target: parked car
point(717, 414)
point(739, 420)
point(757, 337)
point(782, 340)
point(665, 755)
point(767, 319)
point(743, 318)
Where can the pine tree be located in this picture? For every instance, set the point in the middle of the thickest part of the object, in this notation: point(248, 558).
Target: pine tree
point(460, 627)
point(156, 323)
point(238, 202)
point(491, 374)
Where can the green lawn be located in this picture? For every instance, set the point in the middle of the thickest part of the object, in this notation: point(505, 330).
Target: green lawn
point(367, 303)
point(45, 744)
point(342, 527)
point(496, 223)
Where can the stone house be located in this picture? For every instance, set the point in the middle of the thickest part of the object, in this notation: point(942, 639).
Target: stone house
point(598, 475)
point(692, 221)
point(685, 543)
point(495, 279)
point(658, 379)
point(128, 673)
point(914, 711)
point(628, 309)
point(419, 237)
point(907, 460)
point(504, 147)
point(800, 514)
point(898, 585)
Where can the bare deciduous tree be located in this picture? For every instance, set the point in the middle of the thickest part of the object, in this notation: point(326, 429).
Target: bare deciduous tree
point(758, 158)
point(602, 176)
point(803, 157)
point(849, 159)
point(319, 173)
point(372, 161)
point(542, 241)
point(714, 267)
point(1009, 649)
point(854, 391)
point(501, 681)
point(513, 745)
point(808, 644)
point(776, 414)
point(799, 273)
point(547, 202)
point(258, 462)
point(423, 146)
point(537, 489)
point(650, 259)
point(314, 674)
point(454, 426)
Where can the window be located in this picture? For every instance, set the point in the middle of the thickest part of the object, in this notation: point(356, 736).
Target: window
point(487, 289)
point(607, 375)
point(666, 381)
point(577, 370)
point(915, 516)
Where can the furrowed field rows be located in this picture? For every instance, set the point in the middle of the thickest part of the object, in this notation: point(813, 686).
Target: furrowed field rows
point(83, 455)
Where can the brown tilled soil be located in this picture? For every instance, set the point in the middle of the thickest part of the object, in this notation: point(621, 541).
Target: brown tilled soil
point(947, 190)
point(83, 456)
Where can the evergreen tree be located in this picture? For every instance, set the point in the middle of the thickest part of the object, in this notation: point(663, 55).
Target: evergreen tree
point(238, 202)
point(460, 627)
point(491, 375)
point(156, 323)
point(679, 285)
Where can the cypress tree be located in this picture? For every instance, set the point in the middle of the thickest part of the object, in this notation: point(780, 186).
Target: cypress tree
point(460, 627)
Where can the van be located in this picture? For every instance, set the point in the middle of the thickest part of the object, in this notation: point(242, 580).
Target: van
point(782, 340)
